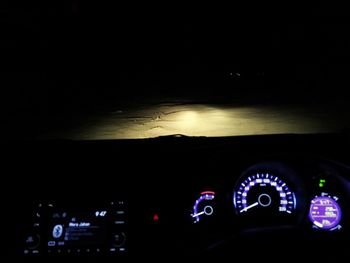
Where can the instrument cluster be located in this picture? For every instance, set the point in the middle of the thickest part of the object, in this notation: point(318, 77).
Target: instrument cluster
point(274, 194)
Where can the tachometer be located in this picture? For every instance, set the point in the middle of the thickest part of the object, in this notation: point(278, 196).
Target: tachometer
point(263, 193)
point(203, 206)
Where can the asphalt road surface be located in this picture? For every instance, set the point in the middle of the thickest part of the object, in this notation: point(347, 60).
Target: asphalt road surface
point(146, 121)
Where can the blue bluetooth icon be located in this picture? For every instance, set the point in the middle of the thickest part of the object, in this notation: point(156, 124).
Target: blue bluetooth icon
point(57, 231)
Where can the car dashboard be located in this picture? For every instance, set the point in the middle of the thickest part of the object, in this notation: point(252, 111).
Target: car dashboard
point(267, 197)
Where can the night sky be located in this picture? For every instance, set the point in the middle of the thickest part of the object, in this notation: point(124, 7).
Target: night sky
point(63, 56)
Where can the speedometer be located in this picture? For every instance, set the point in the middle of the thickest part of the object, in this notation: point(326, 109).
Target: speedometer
point(263, 193)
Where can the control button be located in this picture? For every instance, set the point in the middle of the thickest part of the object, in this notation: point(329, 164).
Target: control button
point(51, 243)
point(60, 243)
point(32, 241)
point(119, 239)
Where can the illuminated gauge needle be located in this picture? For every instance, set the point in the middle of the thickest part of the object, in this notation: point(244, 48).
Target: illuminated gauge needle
point(198, 214)
point(318, 224)
point(248, 207)
point(208, 210)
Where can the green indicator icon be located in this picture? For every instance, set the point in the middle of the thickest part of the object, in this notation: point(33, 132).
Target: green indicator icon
point(322, 183)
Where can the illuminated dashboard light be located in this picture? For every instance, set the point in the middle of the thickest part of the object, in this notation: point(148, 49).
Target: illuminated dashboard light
point(208, 193)
point(264, 190)
point(321, 183)
point(203, 206)
point(325, 212)
point(155, 218)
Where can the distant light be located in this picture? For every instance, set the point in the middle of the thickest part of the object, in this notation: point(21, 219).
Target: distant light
point(236, 73)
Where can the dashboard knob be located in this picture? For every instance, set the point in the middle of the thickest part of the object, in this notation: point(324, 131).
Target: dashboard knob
point(119, 239)
point(32, 241)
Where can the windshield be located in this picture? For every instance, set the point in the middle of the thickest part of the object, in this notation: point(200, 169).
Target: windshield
point(80, 70)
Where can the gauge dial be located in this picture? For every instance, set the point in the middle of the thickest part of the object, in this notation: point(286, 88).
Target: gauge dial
point(263, 192)
point(203, 207)
point(325, 213)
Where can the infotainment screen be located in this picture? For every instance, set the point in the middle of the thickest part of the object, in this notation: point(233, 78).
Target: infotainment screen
point(82, 228)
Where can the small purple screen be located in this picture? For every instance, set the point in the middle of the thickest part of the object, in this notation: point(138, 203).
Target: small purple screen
point(325, 213)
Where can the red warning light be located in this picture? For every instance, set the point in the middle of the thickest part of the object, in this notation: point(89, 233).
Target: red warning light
point(155, 218)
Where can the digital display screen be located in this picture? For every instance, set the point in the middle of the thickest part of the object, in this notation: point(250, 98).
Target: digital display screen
point(78, 229)
point(325, 213)
point(86, 229)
